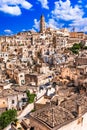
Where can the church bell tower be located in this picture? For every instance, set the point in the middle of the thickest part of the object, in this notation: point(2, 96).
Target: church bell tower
point(42, 24)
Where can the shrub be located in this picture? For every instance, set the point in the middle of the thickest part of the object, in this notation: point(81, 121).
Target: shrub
point(30, 96)
point(7, 117)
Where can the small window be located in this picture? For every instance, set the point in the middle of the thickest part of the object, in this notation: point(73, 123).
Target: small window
point(12, 101)
point(21, 75)
point(32, 128)
point(3, 102)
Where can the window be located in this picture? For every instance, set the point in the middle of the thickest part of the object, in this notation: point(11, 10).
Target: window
point(32, 128)
point(12, 101)
point(21, 75)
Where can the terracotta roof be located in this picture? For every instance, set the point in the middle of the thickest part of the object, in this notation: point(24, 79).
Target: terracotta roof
point(54, 116)
point(66, 112)
point(71, 104)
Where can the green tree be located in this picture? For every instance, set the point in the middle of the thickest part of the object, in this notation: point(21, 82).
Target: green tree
point(7, 117)
point(30, 96)
point(76, 46)
point(81, 44)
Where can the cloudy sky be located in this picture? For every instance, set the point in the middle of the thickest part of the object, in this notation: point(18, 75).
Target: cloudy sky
point(23, 15)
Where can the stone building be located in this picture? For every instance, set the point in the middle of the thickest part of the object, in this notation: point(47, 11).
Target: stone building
point(19, 77)
point(12, 99)
point(66, 116)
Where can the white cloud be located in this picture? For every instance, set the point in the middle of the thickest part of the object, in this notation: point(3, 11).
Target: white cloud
point(80, 25)
point(23, 30)
point(85, 6)
point(80, 1)
point(84, 29)
point(8, 31)
point(44, 3)
point(65, 11)
point(52, 23)
point(13, 7)
point(26, 4)
point(11, 10)
point(36, 25)
point(65, 14)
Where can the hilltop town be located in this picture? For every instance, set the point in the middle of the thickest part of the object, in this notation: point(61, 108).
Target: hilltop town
point(50, 66)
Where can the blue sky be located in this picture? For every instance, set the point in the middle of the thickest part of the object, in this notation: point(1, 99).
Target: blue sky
point(23, 15)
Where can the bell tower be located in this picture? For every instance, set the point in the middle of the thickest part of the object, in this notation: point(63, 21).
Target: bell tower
point(42, 24)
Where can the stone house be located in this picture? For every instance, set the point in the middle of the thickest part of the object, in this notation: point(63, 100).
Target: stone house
point(19, 77)
point(70, 115)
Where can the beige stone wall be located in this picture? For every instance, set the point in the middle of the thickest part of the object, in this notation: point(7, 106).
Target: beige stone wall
point(12, 101)
point(21, 95)
point(3, 102)
point(37, 125)
point(66, 72)
point(10, 73)
point(79, 124)
point(81, 61)
point(39, 106)
point(19, 77)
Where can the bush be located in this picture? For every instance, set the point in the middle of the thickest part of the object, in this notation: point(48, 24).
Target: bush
point(7, 117)
point(30, 97)
point(75, 48)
